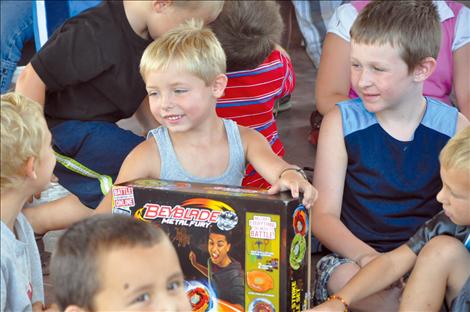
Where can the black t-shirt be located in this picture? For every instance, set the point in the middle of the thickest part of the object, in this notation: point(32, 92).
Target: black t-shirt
point(440, 224)
point(90, 66)
point(228, 282)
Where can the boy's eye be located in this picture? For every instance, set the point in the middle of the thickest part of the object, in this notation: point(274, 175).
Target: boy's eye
point(180, 91)
point(142, 298)
point(174, 285)
point(355, 66)
point(379, 69)
point(152, 93)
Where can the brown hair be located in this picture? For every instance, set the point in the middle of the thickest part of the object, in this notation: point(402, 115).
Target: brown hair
point(74, 265)
point(248, 31)
point(413, 26)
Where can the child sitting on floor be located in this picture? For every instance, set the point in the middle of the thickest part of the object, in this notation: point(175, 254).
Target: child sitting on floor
point(438, 253)
point(27, 162)
point(116, 263)
point(259, 71)
point(184, 76)
point(377, 168)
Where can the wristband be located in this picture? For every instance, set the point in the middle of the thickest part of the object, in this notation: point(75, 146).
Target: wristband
point(336, 297)
point(299, 170)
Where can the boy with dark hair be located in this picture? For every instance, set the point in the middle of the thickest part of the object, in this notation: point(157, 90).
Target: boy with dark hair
point(223, 272)
point(27, 161)
point(87, 78)
point(116, 263)
point(259, 71)
point(438, 253)
point(377, 168)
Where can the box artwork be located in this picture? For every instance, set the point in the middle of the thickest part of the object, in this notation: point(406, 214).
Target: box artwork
point(240, 249)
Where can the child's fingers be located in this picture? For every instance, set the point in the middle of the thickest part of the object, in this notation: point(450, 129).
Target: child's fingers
point(310, 195)
point(294, 189)
point(275, 188)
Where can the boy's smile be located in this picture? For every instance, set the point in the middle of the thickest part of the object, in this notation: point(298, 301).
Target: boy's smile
point(180, 100)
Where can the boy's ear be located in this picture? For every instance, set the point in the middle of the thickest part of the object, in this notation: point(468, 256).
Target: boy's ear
point(160, 5)
point(74, 308)
point(219, 84)
point(424, 69)
point(30, 168)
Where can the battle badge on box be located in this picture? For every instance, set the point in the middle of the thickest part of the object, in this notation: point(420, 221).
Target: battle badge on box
point(240, 249)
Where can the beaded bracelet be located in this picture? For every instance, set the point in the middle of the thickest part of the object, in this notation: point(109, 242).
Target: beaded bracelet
point(299, 170)
point(336, 297)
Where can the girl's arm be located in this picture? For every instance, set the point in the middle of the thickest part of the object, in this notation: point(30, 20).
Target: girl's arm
point(273, 168)
point(142, 162)
point(461, 83)
point(333, 78)
point(329, 177)
point(377, 275)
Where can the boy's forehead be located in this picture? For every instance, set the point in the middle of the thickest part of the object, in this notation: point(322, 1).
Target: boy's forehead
point(375, 51)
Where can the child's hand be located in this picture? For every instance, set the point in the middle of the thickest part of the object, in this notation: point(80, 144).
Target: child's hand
point(294, 180)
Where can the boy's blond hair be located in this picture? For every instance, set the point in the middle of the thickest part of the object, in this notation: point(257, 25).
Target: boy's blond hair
point(413, 26)
point(22, 135)
point(456, 153)
point(190, 47)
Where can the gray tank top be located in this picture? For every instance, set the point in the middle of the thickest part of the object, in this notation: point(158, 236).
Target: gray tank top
point(171, 169)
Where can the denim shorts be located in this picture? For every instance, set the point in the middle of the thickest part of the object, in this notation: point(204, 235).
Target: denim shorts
point(324, 269)
point(89, 156)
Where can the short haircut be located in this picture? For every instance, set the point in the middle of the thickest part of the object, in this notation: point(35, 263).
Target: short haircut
point(190, 47)
point(23, 130)
point(413, 26)
point(214, 229)
point(75, 267)
point(248, 32)
point(456, 153)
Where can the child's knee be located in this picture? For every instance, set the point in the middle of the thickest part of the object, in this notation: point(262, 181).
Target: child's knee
point(443, 248)
point(341, 275)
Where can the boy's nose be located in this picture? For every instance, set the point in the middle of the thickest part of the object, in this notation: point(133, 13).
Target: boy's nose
point(364, 79)
point(441, 196)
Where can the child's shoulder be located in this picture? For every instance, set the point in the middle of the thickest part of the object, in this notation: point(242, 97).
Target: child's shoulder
point(354, 116)
point(440, 117)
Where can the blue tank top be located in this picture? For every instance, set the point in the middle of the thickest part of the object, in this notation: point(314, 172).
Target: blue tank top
point(171, 168)
point(390, 187)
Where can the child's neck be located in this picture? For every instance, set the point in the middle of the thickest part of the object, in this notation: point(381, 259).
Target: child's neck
point(12, 203)
point(402, 120)
point(204, 134)
point(136, 19)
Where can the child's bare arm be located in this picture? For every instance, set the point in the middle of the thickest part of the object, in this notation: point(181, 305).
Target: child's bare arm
point(329, 177)
point(333, 79)
point(142, 162)
point(272, 168)
point(30, 84)
point(377, 275)
point(461, 68)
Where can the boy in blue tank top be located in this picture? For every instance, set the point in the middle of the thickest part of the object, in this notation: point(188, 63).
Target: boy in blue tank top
point(377, 169)
point(438, 253)
point(184, 75)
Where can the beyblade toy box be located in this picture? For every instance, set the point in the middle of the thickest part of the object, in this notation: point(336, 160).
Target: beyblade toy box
point(240, 249)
